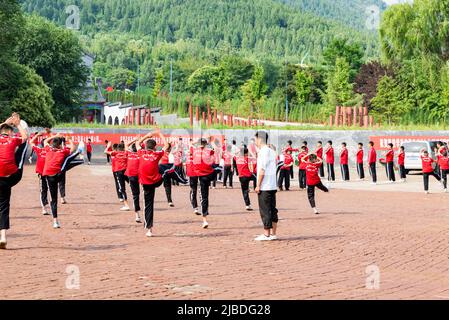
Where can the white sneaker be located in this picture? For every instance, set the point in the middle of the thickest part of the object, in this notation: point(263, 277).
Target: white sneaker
point(205, 225)
point(149, 234)
point(170, 204)
point(426, 192)
point(30, 160)
point(45, 212)
point(121, 200)
point(197, 212)
point(138, 220)
point(124, 208)
point(249, 208)
point(274, 237)
point(263, 237)
point(315, 210)
point(374, 183)
point(328, 185)
point(56, 225)
point(63, 201)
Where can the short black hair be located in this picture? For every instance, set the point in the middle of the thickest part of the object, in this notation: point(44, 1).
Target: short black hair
point(360, 144)
point(234, 142)
point(121, 147)
point(115, 146)
point(304, 142)
point(262, 135)
point(371, 143)
point(320, 142)
point(56, 142)
point(244, 151)
point(390, 144)
point(313, 157)
point(150, 144)
point(344, 144)
point(402, 148)
point(289, 142)
point(330, 142)
point(6, 127)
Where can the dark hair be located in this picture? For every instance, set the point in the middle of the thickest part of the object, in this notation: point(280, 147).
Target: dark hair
point(371, 143)
point(303, 148)
point(263, 135)
point(121, 147)
point(202, 142)
point(150, 144)
point(169, 147)
point(343, 144)
point(444, 153)
point(134, 148)
point(304, 143)
point(330, 142)
point(320, 142)
point(426, 152)
point(390, 144)
point(6, 127)
point(312, 157)
point(115, 146)
point(56, 142)
point(289, 142)
point(244, 150)
point(402, 148)
point(234, 142)
point(106, 141)
point(360, 144)
point(89, 140)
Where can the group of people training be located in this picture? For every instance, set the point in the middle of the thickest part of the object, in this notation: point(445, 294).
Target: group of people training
point(149, 161)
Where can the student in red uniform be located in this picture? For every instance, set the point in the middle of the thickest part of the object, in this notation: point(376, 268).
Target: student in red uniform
point(359, 156)
point(287, 148)
point(203, 160)
point(149, 176)
point(401, 164)
point(427, 169)
point(319, 154)
point(12, 154)
point(372, 157)
point(193, 180)
point(313, 163)
point(284, 173)
point(119, 161)
point(344, 167)
point(389, 160)
point(302, 169)
point(41, 154)
point(57, 161)
point(132, 174)
point(304, 144)
point(227, 167)
point(329, 152)
point(245, 175)
point(89, 151)
point(443, 162)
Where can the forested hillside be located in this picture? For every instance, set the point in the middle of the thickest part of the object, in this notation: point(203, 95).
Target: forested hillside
point(261, 27)
point(350, 12)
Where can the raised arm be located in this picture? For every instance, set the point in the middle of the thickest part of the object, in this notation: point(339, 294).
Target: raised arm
point(16, 121)
point(71, 143)
point(130, 143)
point(33, 140)
point(47, 141)
point(108, 147)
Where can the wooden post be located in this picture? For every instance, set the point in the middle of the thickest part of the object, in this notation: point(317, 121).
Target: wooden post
point(221, 117)
point(365, 121)
point(330, 120)
point(203, 117)
point(360, 120)
point(371, 121)
point(197, 114)
point(344, 116)
point(209, 117)
point(354, 120)
point(337, 116)
point(191, 114)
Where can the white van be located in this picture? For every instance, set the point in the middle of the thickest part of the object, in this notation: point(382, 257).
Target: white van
point(413, 149)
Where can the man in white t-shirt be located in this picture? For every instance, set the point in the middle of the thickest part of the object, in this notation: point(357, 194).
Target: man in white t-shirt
point(266, 187)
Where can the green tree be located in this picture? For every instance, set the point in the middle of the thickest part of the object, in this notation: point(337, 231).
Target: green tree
point(342, 48)
point(254, 90)
point(33, 99)
point(56, 55)
point(339, 89)
point(121, 78)
point(303, 84)
point(388, 104)
point(158, 82)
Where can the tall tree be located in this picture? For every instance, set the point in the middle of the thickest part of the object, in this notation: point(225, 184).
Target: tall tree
point(339, 88)
point(254, 90)
point(56, 55)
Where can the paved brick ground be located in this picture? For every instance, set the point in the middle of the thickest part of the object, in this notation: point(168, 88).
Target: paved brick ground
point(317, 257)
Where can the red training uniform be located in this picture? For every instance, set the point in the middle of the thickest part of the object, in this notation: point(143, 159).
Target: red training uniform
point(149, 166)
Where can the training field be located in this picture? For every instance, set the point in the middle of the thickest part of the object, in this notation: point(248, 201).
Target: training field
point(398, 239)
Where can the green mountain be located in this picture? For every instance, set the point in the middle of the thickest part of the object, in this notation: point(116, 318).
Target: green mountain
point(275, 28)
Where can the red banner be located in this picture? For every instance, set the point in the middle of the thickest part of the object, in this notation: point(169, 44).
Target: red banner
point(381, 142)
point(100, 138)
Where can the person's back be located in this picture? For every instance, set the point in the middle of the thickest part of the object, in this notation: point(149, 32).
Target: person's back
point(267, 161)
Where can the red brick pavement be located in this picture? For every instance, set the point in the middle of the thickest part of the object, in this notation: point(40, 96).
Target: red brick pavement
point(317, 257)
